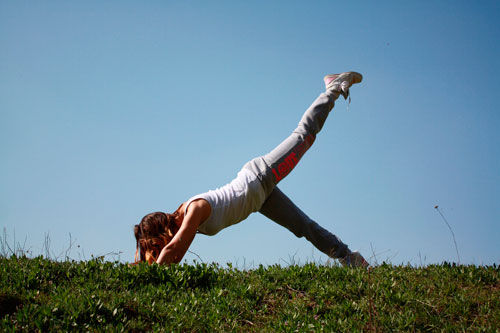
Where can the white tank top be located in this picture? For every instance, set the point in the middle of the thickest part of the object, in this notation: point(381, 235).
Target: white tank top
point(231, 203)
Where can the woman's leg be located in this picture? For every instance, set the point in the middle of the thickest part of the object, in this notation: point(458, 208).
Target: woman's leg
point(277, 164)
point(274, 166)
point(279, 208)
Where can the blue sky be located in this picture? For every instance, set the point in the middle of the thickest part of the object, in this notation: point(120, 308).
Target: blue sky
point(109, 111)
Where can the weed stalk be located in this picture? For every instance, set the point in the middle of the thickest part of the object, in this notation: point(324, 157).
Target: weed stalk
point(452, 233)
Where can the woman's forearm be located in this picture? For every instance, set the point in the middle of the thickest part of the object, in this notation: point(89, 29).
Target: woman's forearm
point(174, 251)
point(169, 256)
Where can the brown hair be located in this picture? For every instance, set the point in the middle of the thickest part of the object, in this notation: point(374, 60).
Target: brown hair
point(154, 232)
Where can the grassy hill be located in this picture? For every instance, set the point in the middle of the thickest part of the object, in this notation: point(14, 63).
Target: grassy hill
point(41, 294)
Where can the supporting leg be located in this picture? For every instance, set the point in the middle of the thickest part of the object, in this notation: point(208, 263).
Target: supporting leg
point(279, 208)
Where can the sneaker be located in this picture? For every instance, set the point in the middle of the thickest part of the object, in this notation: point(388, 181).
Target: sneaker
point(342, 82)
point(354, 259)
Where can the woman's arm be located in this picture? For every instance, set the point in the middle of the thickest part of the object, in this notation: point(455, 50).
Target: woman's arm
point(198, 211)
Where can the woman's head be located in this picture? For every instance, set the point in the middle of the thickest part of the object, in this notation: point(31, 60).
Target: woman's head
point(152, 234)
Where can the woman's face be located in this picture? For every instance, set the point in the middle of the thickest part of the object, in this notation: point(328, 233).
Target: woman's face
point(154, 250)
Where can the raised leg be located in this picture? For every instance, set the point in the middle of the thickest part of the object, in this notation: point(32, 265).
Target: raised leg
point(277, 164)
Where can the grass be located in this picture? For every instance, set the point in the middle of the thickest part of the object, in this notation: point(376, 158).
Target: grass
point(41, 294)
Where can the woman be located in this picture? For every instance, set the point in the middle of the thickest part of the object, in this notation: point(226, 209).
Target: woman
point(165, 238)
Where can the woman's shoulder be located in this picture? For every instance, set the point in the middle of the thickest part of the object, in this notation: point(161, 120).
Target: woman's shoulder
point(196, 202)
point(198, 206)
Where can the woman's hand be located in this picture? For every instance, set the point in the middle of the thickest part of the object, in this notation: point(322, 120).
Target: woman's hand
point(197, 212)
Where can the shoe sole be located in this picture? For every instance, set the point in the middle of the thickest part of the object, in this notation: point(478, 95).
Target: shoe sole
point(356, 77)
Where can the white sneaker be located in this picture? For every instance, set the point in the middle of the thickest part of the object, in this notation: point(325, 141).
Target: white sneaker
point(354, 259)
point(341, 82)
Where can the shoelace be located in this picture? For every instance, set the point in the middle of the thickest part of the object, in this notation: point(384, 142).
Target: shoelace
point(345, 87)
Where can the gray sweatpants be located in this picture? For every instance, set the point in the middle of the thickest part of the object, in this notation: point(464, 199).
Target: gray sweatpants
point(277, 164)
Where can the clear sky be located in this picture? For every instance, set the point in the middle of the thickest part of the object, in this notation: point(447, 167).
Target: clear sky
point(111, 110)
